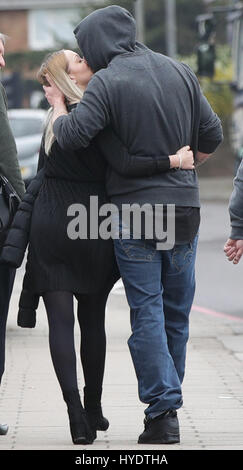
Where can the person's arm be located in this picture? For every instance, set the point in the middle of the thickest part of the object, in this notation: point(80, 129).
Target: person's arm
point(210, 132)
point(234, 245)
point(129, 165)
point(17, 239)
point(201, 158)
point(236, 206)
point(9, 164)
point(76, 129)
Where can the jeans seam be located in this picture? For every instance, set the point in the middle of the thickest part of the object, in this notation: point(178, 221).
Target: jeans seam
point(138, 365)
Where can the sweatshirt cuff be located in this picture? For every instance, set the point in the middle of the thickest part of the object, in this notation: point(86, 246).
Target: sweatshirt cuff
point(163, 164)
point(236, 233)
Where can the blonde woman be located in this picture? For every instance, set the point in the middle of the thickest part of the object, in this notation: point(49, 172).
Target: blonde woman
point(59, 268)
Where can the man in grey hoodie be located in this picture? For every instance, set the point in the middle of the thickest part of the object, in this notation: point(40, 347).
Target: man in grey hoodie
point(155, 106)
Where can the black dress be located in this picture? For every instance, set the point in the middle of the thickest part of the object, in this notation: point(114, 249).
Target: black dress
point(55, 262)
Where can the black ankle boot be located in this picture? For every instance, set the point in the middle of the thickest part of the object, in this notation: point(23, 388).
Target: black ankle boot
point(93, 409)
point(3, 429)
point(164, 429)
point(81, 431)
point(96, 419)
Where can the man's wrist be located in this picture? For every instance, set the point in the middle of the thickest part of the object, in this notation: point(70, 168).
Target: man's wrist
point(174, 161)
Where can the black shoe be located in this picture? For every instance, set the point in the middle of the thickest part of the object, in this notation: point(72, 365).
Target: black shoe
point(81, 431)
point(92, 404)
point(3, 429)
point(164, 429)
point(96, 419)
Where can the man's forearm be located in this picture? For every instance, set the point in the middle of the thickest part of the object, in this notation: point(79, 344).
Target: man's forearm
point(201, 158)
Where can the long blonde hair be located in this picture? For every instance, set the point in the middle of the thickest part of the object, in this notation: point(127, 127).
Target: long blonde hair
point(56, 65)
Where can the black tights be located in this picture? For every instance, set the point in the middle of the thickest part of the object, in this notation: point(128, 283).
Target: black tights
point(91, 318)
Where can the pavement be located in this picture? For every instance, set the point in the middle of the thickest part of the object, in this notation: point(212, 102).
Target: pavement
point(212, 414)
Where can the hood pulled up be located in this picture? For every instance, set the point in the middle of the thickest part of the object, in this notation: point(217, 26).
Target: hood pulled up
point(104, 34)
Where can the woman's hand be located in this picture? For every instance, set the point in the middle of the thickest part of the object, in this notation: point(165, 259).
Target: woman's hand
point(183, 156)
point(55, 98)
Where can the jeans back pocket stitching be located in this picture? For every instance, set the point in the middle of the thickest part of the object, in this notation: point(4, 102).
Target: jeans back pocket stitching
point(179, 269)
point(127, 251)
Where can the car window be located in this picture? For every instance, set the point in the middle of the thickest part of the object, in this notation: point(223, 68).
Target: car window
point(25, 126)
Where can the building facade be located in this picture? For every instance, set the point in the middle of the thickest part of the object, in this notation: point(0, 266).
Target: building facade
point(41, 24)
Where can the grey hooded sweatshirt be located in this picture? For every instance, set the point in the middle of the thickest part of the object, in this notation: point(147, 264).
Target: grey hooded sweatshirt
point(236, 206)
point(153, 103)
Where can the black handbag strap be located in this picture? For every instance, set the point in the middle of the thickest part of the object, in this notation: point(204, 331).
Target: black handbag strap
point(8, 188)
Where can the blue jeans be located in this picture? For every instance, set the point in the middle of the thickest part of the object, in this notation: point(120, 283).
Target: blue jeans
point(160, 287)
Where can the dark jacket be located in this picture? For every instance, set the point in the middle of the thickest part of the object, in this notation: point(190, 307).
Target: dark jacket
point(9, 165)
point(153, 103)
point(18, 237)
point(15, 246)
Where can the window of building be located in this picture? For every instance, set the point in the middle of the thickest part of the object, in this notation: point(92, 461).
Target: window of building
point(52, 27)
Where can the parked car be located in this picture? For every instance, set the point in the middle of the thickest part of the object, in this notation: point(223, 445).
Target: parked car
point(27, 126)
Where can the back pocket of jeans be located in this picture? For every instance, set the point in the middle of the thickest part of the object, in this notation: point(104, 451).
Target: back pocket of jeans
point(138, 250)
point(182, 257)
